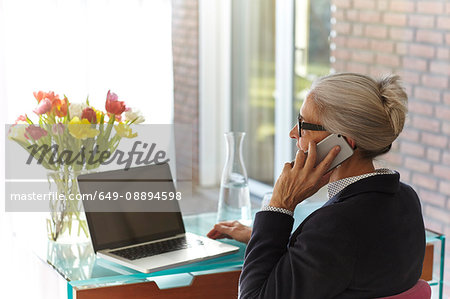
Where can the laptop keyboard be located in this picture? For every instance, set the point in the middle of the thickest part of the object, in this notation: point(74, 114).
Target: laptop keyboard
point(151, 249)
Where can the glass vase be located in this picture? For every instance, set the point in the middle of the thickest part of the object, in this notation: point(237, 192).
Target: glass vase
point(67, 221)
point(234, 197)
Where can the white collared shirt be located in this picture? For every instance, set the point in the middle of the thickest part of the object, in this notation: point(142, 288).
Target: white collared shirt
point(334, 188)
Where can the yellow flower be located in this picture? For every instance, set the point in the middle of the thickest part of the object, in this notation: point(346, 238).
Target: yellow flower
point(124, 131)
point(81, 129)
point(99, 114)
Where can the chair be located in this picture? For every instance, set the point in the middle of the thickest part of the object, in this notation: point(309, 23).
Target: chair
point(421, 290)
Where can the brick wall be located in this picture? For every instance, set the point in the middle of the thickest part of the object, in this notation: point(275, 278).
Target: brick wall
point(185, 66)
point(411, 38)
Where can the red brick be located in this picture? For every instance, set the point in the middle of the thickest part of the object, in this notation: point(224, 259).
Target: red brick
point(432, 198)
point(444, 187)
point(413, 149)
point(402, 6)
point(401, 34)
point(382, 4)
point(418, 50)
point(435, 140)
point(443, 113)
point(447, 38)
point(446, 158)
point(342, 54)
point(434, 81)
point(443, 53)
point(342, 3)
point(432, 224)
point(438, 214)
point(440, 67)
point(401, 48)
point(369, 16)
point(421, 21)
point(394, 19)
point(352, 15)
point(447, 8)
point(433, 154)
point(430, 7)
point(442, 172)
point(424, 181)
point(382, 46)
point(364, 4)
point(356, 67)
point(378, 70)
point(446, 128)
point(342, 28)
point(420, 107)
point(429, 36)
point(409, 77)
point(357, 43)
point(362, 56)
point(357, 30)
point(447, 98)
point(426, 94)
point(376, 31)
point(443, 23)
point(410, 134)
point(426, 124)
point(389, 60)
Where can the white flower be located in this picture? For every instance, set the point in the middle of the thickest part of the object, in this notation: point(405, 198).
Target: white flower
point(76, 109)
point(136, 115)
point(17, 132)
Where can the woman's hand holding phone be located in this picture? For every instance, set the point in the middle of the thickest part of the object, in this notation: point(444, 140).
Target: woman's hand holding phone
point(301, 180)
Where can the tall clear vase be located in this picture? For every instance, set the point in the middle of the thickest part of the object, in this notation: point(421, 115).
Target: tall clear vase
point(234, 198)
point(67, 221)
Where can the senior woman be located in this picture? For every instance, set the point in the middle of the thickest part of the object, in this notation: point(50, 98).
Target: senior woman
point(368, 239)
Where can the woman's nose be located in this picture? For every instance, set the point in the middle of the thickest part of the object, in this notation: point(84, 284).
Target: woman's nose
point(294, 133)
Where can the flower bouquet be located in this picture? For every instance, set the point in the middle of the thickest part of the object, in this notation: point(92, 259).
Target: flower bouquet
point(68, 139)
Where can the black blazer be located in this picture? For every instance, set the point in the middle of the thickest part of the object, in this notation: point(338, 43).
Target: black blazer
point(368, 241)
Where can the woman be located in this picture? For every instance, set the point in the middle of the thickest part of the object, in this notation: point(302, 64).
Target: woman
point(368, 240)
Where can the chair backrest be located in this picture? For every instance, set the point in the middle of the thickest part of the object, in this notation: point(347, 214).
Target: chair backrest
point(421, 290)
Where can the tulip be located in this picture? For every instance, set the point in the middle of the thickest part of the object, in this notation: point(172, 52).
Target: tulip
point(124, 131)
point(59, 107)
point(44, 106)
point(113, 105)
point(21, 119)
point(81, 129)
point(75, 110)
point(134, 115)
point(39, 95)
point(89, 114)
point(35, 132)
point(58, 129)
point(17, 133)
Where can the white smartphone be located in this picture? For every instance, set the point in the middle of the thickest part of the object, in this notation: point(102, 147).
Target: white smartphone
point(327, 144)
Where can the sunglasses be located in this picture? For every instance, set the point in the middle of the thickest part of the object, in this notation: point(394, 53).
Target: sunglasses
point(307, 126)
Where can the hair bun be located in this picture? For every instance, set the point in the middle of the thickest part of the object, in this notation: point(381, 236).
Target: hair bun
point(394, 99)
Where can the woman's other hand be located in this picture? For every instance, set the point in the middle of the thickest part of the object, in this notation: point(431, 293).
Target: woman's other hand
point(231, 230)
point(301, 180)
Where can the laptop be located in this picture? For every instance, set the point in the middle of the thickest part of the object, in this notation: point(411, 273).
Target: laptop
point(147, 241)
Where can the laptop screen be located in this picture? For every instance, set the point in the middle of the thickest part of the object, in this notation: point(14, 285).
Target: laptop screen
point(112, 228)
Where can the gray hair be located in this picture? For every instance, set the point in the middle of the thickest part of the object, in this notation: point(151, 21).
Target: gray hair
point(371, 112)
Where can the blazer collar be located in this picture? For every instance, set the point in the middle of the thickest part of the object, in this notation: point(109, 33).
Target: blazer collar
point(386, 183)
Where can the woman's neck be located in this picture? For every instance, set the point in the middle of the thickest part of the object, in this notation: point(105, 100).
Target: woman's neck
point(354, 166)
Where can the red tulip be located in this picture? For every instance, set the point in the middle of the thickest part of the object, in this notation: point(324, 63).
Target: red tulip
point(39, 95)
point(113, 105)
point(89, 114)
point(35, 132)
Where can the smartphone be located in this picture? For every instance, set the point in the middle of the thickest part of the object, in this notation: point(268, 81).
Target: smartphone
point(327, 144)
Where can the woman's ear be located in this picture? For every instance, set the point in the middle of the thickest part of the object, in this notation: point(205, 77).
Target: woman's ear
point(351, 142)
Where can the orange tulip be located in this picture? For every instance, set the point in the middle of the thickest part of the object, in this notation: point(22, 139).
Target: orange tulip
point(113, 105)
point(59, 107)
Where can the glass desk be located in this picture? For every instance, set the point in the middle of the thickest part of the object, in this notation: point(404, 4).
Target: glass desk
point(82, 270)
